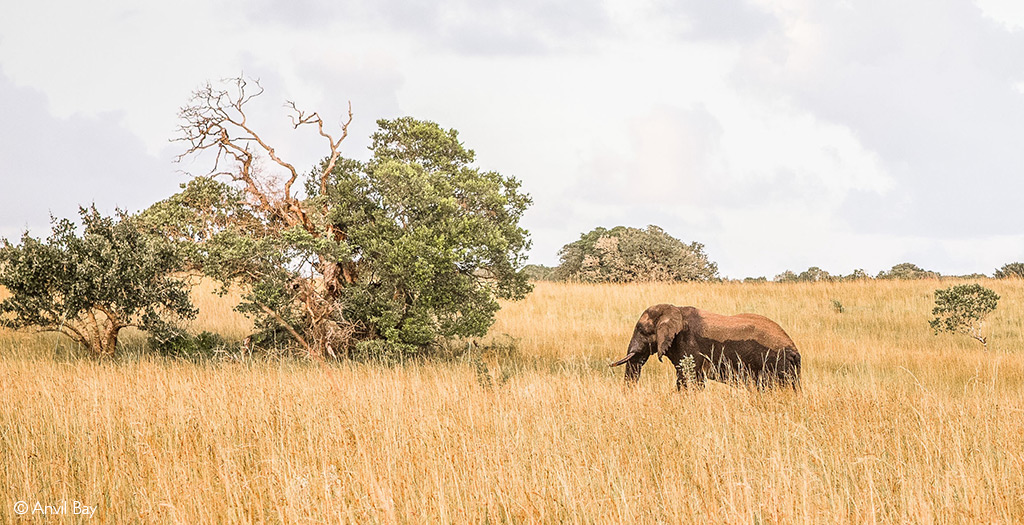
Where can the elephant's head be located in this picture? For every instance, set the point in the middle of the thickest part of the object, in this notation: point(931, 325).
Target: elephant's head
point(655, 331)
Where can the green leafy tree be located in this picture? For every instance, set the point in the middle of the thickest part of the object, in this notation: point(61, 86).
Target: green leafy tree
point(1013, 270)
point(539, 272)
point(435, 240)
point(908, 271)
point(810, 275)
point(857, 275)
point(787, 276)
point(386, 255)
point(92, 286)
point(624, 254)
point(815, 274)
point(962, 309)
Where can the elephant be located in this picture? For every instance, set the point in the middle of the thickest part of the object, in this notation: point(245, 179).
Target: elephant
point(737, 348)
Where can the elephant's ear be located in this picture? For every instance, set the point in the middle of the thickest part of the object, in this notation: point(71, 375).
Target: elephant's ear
point(669, 325)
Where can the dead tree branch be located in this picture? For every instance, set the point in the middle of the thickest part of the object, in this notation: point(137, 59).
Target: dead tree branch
point(216, 120)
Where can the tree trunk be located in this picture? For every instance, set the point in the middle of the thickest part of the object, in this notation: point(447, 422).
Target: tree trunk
point(96, 341)
point(313, 353)
point(110, 343)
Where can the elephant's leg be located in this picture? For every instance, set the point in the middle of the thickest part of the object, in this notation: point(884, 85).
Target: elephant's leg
point(633, 367)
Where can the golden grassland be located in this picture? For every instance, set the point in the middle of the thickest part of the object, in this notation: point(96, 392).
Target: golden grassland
point(894, 424)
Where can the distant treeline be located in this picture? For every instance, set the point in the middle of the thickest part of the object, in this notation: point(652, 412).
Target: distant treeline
point(903, 271)
point(623, 254)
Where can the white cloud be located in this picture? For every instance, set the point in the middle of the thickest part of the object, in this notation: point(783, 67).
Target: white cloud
point(1009, 13)
point(53, 165)
point(780, 133)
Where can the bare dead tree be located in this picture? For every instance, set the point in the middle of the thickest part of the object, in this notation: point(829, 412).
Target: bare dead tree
point(215, 120)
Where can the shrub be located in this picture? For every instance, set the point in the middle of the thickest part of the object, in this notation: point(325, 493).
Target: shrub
point(91, 286)
point(539, 272)
point(624, 254)
point(857, 275)
point(811, 275)
point(1013, 270)
point(907, 271)
point(786, 277)
point(962, 309)
point(176, 342)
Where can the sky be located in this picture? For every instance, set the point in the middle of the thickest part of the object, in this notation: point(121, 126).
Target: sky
point(780, 134)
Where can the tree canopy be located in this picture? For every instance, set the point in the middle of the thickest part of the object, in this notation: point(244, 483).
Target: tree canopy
point(1014, 270)
point(624, 254)
point(91, 286)
point(962, 309)
point(433, 240)
point(907, 271)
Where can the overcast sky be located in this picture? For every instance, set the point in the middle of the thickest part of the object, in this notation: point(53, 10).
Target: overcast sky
point(781, 134)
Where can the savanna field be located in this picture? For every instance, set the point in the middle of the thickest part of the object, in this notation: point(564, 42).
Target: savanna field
point(894, 424)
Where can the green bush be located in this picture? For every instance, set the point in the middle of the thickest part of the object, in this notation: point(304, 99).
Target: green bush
point(1013, 270)
point(907, 271)
point(811, 275)
point(539, 272)
point(175, 342)
point(92, 285)
point(624, 254)
point(962, 309)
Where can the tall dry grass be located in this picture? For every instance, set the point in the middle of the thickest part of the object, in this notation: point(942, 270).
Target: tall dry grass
point(894, 424)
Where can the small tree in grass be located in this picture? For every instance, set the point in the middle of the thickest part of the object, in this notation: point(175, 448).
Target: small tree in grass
point(962, 309)
point(90, 287)
point(1013, 270)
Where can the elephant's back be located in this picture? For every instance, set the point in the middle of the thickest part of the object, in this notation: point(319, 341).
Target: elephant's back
point(746, 326)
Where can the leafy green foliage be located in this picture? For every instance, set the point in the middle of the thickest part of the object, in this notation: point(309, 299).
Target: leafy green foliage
point(218, 232)
point(433, 240)
point(624, 254)
point(857, 275)
point(1013, 270)
point(811, 275)
point(962, 309)
point(787, 276)
point(907, 271)
point(815, 274)
point(539, 272)
point(172, 341)
point(380, 258)
point(687, 370)
point(89, 287)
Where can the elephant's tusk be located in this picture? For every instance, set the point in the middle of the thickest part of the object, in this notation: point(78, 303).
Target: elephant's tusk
point(624, 359)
